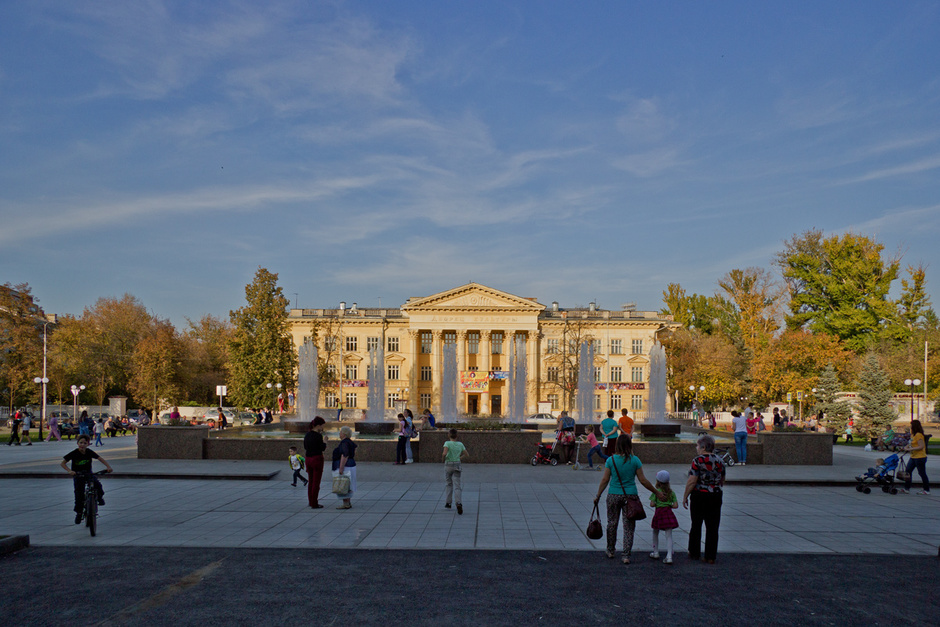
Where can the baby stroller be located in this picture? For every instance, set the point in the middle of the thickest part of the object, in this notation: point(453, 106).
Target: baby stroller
point(545, 454)
point(882, 475)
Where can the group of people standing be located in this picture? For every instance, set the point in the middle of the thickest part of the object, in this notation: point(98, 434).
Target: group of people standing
point(344, 462)
point(702, 497)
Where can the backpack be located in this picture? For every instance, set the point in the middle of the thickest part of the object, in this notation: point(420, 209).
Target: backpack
point(410, 430)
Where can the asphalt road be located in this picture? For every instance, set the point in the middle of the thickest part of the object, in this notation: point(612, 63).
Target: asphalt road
point(154, 586)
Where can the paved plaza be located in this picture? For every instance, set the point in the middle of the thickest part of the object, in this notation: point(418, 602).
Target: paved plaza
point(767, 509)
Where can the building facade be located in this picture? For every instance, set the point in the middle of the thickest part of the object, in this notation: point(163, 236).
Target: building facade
point(483, 323)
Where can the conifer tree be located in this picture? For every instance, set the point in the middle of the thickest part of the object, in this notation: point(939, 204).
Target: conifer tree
point(875, 412)
point(837, 412)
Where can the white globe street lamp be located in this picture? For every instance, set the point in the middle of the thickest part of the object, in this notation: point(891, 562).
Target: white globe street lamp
point(911, 383)
point(76, 390)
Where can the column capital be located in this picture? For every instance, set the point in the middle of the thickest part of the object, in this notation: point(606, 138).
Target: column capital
point(462, 335)
point(486, 334)
point(436, 333)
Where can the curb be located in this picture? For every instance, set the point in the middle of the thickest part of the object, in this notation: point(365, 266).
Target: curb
point(12, 544)
point(266, 476)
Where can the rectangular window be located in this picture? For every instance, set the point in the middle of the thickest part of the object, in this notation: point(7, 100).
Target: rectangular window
point(616, 347)
point(597, 375)
point(551, 347)
point(370, 371)
point(425, 401)
point(636, 402)
point(329, 343)
point(331, 370)
point(394, 372)
point(450, 338)
point(496, 344)
point(598, 346)
point(615, 401)
point(553, 399)
point(597, 401)
point(616, 374)
point(373, 343)
point(331, 400)
point(351, 399)
point(551, 374)
point(636, 374)
point(393, 344)
point(392, 398)
point(352, 343)
point(425, 373)
point(637, 347)
point(352, 372)
point(473, 343)
point(427, 341)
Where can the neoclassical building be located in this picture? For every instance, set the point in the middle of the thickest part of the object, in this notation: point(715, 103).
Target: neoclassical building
point(483, 323)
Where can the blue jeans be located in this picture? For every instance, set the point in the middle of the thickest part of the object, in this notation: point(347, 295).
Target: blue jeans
point(596, 450)
point(740, 445)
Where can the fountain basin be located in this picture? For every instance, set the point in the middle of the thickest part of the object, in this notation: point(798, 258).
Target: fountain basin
point(659, 430)
point(376, 428)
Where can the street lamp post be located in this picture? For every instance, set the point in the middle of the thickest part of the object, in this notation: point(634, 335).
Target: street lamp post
point(42, 411)
point(76, 390)
point(696, 403)
point(271, 386)
point(910, 383)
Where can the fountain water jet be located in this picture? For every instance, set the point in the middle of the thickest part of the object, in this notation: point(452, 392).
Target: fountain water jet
point(655, 424)
point(517, 379)
point(449, 384)
point(376, 394)
point(586, 382)
point(308, 381)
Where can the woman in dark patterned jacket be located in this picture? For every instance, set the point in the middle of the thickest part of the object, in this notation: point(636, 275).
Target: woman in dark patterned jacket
point(706, 477)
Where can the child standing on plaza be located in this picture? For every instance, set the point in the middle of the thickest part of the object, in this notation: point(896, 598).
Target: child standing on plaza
point(453, 452)
point(595, 447)
point(297, 464)
point(99, 429)
point(664, 519)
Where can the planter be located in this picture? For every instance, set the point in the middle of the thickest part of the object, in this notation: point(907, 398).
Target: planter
point(783, 448)
point(162, 442)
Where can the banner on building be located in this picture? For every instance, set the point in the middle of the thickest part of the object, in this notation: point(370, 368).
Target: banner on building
point(619, 386)
point(474, 381)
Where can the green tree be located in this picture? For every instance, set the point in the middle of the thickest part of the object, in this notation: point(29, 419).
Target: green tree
point(792, 362)
point(708, 314)
point(839, 285)
point(206, 348)
point(753, 296)
point(836, 410)
point(261, 350)
point(158, 363)
point(874, 392)
point(20, 343)
point(914, 308)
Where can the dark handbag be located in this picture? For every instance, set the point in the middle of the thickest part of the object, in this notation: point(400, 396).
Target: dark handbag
point(635, 509)
point(595, 531)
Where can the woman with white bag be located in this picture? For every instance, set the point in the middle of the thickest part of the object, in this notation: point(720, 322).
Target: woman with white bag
point(344, 464)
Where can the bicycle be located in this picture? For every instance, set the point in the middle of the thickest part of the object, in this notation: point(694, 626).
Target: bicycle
point(90, 513)
point(725, 456)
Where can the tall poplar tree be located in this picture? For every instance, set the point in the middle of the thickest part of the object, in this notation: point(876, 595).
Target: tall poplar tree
point(261, 350)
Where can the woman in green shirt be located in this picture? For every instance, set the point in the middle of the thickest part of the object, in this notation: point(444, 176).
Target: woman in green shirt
point(626, 468)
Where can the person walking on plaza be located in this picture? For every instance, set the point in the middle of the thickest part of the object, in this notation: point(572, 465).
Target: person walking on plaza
point(98, 428)
point(918, 460)
point(625, 423)
point(739, 423)
point(314, 445)
point(609, 431)
point(664, 519)
point(454, 452)
point(15, 429)
point(622, 497)
point(297, 464)
point(706, 477)
point(344, 461)
point(54, 430)
point(24, 433)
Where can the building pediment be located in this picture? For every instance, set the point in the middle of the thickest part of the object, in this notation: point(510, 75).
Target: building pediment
point(472, 297)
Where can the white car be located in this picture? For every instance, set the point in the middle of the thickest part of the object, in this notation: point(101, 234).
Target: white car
point(212, 417)
point(542, 418)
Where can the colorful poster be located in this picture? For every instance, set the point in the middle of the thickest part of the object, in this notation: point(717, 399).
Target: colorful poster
point(619, 386)
point(499, 375)
point(355, 383)
point(474, 381)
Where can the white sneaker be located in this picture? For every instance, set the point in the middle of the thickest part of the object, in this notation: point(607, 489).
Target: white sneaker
point(654, 555)
point(409, 461)
point(668, 560)
point(923, 492)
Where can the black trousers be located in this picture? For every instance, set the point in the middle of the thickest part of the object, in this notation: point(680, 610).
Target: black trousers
point(79, 482)
point(704, 507)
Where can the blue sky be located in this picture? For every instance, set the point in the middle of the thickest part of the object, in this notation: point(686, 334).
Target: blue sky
point(381, 150)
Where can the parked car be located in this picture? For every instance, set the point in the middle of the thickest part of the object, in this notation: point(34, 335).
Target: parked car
point(212, 417)
point(542, 418)
point(137, 416)
point(243, 418)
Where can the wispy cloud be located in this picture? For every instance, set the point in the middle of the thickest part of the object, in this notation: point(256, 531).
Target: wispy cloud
point(913, 167)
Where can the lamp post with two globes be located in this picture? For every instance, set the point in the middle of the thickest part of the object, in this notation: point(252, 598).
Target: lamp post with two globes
point(911, 383)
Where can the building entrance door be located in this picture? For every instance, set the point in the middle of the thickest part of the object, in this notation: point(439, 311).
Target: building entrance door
point(497, 403)
point(473, 404)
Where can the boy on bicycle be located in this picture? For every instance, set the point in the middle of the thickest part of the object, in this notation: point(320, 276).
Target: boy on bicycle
point(81, 459)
